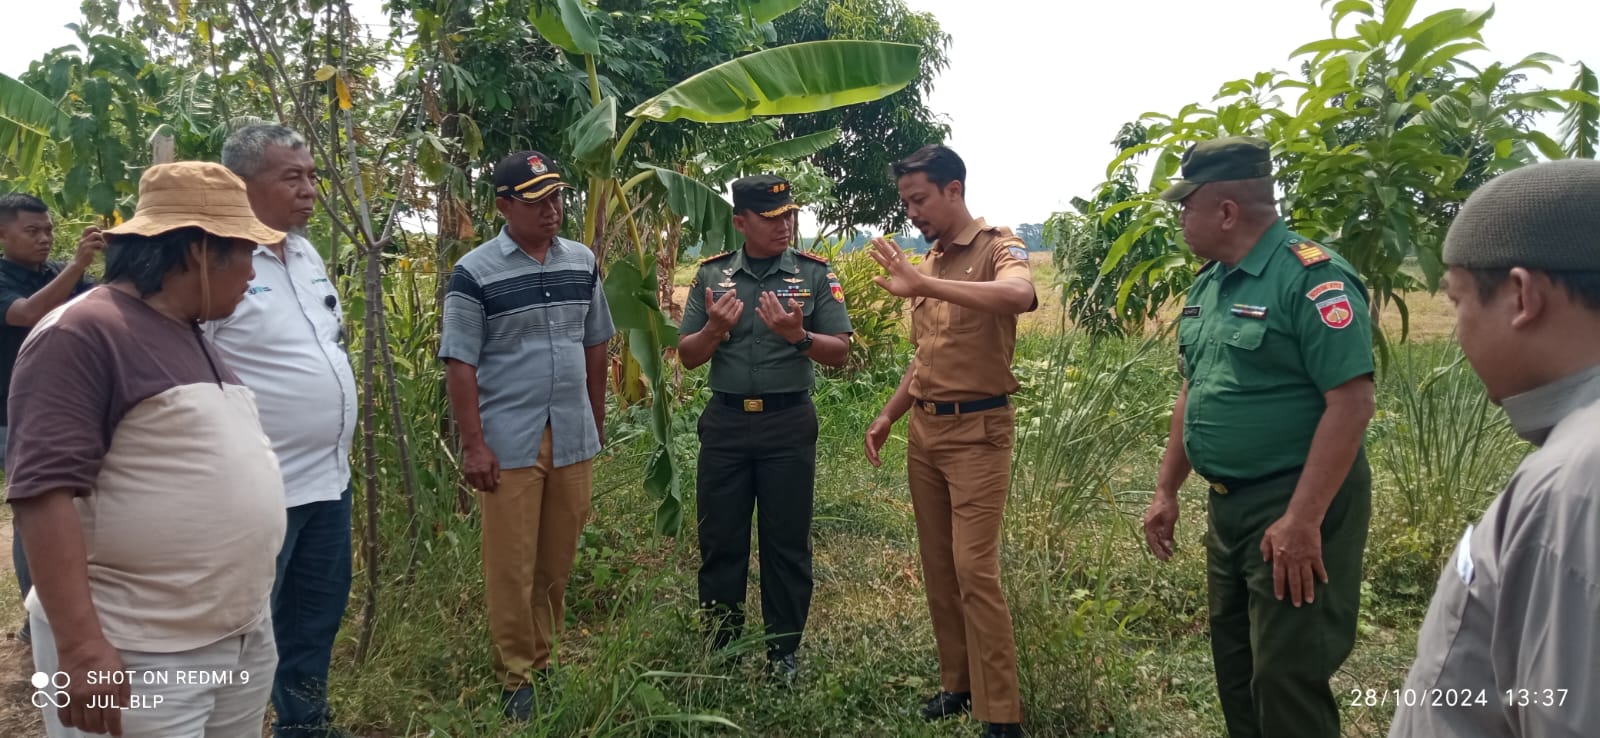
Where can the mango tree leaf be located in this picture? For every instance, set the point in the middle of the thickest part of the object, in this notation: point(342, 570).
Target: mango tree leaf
point(568, 24)
point(707, 212)
point(1580, 127)
point(590, 138)
point(788, 80)
point(787, 149)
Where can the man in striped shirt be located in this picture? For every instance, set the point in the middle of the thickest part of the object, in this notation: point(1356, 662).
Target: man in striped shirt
point(524, 342)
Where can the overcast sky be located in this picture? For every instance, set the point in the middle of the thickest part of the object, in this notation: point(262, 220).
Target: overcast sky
point(1037, 88)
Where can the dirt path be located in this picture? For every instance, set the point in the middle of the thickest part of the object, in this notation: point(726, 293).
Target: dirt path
point(18, 716)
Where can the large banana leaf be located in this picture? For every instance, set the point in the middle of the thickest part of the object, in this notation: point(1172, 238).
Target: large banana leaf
point(765, 11)
point(589, 139)
point(788, 80)
point(27, 120)
point(787, 149)
point(567, 24)
point(707, 212)
point(635, 309)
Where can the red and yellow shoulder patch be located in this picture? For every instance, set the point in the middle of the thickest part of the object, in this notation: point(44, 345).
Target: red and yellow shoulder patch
point(1309, 253)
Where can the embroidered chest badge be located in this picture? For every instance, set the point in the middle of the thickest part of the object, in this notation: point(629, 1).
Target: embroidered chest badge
point(1336, 312)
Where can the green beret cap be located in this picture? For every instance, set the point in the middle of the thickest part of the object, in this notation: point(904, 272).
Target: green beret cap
point(1221, 160)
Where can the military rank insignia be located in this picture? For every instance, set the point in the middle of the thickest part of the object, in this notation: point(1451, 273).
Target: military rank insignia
point(1254, 312)
point(1336, 312)
point(795, 293)
point(1309, 253)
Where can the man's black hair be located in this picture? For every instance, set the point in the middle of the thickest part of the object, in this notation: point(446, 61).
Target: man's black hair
point(939, 163)
point(147, 260)
point(16, 202)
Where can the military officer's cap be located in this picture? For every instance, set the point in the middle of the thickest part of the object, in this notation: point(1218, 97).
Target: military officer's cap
point(1221, 160)
point(768, 195)
point(528, 176)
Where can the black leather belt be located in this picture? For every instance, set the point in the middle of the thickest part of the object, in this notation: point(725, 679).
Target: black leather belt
point(1223, 485)
point(961, 408)
point(762, 403)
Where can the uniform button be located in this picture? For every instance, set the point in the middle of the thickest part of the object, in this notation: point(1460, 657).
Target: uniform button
point(1235, 336)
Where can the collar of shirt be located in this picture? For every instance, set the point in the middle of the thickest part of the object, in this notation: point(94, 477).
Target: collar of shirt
point(1538, 411)
point(1256, 261)
point(17, 271)
point(787, 262)
point(966, 236)
point(292, 244)
point(509, 245)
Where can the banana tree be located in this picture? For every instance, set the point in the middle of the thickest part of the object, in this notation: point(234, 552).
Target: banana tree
point(786, 80)
point(27, 120)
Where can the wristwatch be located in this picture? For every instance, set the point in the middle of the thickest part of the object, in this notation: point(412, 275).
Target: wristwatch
point(803, 344)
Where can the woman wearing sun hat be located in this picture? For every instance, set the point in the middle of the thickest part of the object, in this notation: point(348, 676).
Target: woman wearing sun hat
point(146, 493)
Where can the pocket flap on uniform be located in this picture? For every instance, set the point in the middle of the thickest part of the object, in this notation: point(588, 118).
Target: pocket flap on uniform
point(1188, 331)
point(1246, 334)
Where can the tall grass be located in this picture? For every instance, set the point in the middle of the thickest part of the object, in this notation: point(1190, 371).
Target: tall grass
point(1442, 451)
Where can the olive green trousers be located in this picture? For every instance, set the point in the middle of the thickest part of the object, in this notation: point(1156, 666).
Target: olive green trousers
point(1273, 660)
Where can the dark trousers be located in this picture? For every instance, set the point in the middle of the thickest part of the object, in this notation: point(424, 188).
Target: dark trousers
point(766, 461)
point(19, 557)
point(1273, 660)
point(308, 603)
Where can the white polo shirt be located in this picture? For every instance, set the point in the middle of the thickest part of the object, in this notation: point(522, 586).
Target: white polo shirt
point(284, 344)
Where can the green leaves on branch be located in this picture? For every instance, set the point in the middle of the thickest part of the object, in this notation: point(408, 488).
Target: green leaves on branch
point(1580, 128)
point(786, 150)
point(788, 80)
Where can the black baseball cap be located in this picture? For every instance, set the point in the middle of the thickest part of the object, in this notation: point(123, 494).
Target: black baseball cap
point(528, 176)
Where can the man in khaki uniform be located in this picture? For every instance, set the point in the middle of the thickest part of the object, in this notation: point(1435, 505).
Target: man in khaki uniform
point(965, 298)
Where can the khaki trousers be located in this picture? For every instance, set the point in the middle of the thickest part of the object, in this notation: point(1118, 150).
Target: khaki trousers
point(531, 525)
point(959, 469)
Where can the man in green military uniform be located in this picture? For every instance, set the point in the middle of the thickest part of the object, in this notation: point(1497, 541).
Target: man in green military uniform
point(761, 315)
point(1275, 349)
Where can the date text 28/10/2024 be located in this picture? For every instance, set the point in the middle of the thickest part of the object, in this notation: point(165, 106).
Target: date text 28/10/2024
point(1456, 697)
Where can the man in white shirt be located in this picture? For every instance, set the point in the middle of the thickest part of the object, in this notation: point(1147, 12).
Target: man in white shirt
point(285, 342)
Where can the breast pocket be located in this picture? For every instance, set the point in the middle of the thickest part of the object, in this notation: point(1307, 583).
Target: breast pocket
point(965, 319)
point(1245, 335)
point(1188, 345)
point(919, 319)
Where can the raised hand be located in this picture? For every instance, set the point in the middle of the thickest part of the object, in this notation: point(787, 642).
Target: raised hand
point(786, 324)
point(723, 314)
point(904, 280)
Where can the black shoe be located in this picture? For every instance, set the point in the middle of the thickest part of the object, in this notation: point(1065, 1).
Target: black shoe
point(517, 704)
point(945, 704)
point(1002, 730)
point(785, 669)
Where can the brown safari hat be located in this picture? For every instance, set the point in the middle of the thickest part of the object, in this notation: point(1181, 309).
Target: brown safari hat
point(195, 194)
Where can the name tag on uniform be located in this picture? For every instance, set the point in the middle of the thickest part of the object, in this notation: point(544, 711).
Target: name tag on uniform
point(1192, 311)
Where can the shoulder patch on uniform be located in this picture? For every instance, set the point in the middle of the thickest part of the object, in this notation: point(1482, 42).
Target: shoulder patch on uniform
point(1014, 246)
point(1309, 253)
point(717, 257)
point(813, 256)
point(1324, 288)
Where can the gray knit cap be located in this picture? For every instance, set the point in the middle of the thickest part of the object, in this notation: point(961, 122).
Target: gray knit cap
point(1544, 216)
